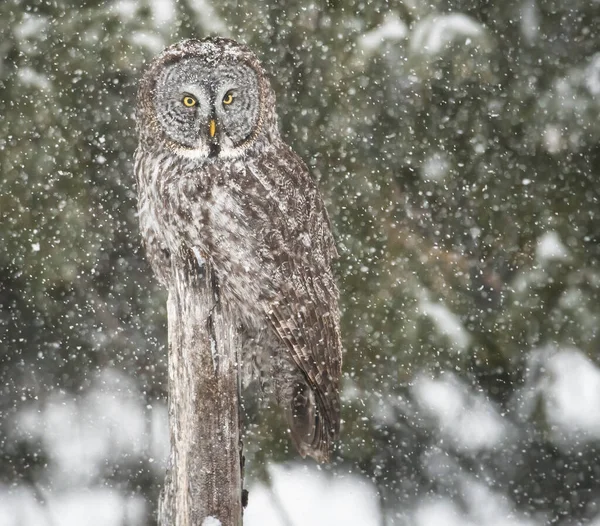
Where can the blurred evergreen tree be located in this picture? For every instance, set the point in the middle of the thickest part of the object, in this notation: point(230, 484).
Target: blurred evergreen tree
point(458, 143)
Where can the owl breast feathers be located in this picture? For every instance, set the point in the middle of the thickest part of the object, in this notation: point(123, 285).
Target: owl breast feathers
point(215, 178)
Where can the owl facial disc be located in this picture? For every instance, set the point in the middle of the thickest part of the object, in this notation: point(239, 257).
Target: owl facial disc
point(208, 108)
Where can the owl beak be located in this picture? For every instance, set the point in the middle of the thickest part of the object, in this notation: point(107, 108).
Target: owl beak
point(212, 128)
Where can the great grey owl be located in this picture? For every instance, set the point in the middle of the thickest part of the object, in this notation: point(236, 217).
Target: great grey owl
point(214, 177)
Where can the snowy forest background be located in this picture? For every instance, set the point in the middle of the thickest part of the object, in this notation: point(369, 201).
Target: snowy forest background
point(457, 144)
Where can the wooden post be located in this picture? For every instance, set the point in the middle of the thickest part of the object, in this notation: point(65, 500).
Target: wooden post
point(203, 486)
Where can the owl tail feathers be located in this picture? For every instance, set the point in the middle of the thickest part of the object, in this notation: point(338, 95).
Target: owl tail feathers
point(306, 425)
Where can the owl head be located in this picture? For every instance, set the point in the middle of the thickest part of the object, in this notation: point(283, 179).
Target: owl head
point(206, 99)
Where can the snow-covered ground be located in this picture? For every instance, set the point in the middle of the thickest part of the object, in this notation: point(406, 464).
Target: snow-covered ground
point(110, 424)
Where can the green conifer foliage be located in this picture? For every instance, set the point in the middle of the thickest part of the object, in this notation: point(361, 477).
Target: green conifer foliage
point(458, 146)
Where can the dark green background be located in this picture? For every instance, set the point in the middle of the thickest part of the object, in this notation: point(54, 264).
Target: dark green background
point(443, 169)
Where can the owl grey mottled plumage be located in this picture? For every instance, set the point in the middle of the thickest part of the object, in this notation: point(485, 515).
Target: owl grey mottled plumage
point(216, 179)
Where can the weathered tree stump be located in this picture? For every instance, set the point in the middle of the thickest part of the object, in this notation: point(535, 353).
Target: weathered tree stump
point(204, 478)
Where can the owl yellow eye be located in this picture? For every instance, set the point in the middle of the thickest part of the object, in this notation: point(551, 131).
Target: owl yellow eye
point(189, 102)
point(228, 98)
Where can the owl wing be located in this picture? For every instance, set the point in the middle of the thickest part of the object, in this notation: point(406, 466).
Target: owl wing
point(303, 309)
point(310, 332)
